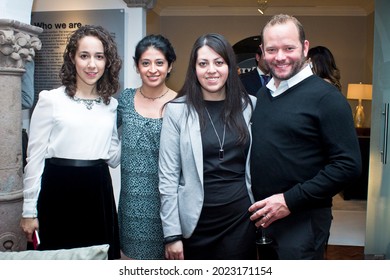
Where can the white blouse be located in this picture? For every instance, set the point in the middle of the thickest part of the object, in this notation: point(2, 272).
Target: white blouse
point(64, 128)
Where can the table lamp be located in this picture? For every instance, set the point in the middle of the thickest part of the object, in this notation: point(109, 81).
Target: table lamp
point(359, 92)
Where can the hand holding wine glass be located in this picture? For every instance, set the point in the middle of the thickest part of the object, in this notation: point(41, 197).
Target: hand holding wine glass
point(266, 211)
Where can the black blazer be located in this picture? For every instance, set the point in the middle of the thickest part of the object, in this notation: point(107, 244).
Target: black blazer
point(251, 81)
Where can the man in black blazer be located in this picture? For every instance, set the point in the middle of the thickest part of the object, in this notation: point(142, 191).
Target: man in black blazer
point(255, 79)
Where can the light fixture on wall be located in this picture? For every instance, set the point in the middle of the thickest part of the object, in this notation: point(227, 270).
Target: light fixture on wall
point(359, 92)
point(262, 6)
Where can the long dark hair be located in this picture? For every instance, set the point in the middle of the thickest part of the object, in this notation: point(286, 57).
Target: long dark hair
point(324, 64)
point(236, 99)
point(108, 84)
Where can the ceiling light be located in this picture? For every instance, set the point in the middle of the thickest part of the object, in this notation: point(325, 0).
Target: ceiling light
point(262, 6)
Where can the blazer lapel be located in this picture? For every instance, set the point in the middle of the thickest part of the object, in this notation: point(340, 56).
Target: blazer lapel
point(196, 143)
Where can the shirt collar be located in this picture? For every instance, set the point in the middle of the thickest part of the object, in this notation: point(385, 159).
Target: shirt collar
point(259, 71)
point(285, 85)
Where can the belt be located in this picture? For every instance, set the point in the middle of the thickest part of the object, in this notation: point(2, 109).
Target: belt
point(75, 162)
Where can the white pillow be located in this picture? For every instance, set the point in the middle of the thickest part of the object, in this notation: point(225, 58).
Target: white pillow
point(98, 252)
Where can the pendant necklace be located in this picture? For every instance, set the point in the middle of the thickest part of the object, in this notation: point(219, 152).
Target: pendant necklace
point(153, 98)
point(221, 151)
point(88, 102)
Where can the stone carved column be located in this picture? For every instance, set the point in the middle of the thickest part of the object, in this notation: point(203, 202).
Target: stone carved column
point(18, 43)
point(147, 4)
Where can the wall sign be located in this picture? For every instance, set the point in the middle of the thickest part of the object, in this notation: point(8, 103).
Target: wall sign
point(56, 28)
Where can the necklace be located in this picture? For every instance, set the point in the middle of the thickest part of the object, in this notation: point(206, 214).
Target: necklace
point(221, 151)
point(153, 98)
point(88, 102)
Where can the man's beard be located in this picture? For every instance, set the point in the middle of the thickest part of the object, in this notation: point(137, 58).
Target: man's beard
point(296, 68)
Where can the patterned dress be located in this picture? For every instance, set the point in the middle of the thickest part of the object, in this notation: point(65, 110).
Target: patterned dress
point(141, 234)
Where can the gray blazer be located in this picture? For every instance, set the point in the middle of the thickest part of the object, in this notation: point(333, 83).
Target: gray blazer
point(181, 168)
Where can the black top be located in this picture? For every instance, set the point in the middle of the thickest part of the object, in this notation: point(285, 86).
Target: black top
point(228, 172)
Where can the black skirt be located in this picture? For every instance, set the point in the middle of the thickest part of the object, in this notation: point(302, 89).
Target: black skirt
point(223, 232)
point(76, 208)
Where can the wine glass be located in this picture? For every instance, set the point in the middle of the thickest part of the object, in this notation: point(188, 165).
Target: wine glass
point(265, 246)
point(261, 237)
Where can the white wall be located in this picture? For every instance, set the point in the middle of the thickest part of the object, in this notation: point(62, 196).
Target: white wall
point(11, 9)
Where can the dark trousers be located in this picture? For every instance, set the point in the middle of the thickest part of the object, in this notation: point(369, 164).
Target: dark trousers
point(301, 236)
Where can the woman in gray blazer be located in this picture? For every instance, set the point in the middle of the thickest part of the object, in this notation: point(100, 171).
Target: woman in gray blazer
point(204, 178)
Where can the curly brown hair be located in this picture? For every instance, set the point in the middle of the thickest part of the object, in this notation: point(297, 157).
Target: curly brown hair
point(108, 84)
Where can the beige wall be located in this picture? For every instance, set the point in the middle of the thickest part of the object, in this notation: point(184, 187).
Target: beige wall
point(350, 39)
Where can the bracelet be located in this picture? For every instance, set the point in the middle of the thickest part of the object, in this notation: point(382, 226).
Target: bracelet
point(171, 239)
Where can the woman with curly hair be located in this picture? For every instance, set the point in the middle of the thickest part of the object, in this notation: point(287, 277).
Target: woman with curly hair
point(68, 194)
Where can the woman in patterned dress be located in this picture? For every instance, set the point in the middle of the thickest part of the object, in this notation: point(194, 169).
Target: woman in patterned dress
point(140, 114)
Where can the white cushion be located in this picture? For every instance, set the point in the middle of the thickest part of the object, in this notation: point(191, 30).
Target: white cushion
point(98, 252)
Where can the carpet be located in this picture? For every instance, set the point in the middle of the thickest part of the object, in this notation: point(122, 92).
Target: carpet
point(335, 252)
